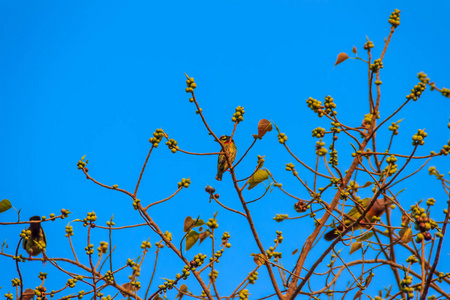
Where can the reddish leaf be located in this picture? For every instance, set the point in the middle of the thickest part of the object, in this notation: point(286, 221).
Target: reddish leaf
point(354, 50)
point(341, 57)
point(264, 126)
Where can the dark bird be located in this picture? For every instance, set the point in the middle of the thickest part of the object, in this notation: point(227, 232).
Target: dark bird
point(36, 242)
point(222, 163)
point(376, 210)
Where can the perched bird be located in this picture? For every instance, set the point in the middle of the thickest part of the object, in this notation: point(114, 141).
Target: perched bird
point(36, 242)
point(376, 210)
point(222, 163)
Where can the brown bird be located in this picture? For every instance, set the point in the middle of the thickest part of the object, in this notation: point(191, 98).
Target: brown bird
point(222, 163)
point(36, 243)
point(376, 210)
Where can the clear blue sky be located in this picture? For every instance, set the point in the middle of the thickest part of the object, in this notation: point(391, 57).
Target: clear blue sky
point(98, 77)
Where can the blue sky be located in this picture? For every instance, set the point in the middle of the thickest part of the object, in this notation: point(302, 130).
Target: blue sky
point(97, 78)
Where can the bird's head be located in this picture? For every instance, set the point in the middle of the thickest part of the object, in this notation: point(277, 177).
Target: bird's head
point(225, 139)
point(35, 218)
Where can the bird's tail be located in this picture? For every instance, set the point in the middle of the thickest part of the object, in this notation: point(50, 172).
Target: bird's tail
point(330, 235)
point(219, 176)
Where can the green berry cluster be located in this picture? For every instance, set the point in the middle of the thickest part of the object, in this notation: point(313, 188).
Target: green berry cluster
point(279, 238)
point(405, 286)
point(378, 82)
point(198, 260)
point(377, 298)
point(368, 45)
point(89, 249)
point(109, 276)
point(243, 295)
point(367, 120)
point(136, 271)
point(412, 259)
point(253, 277)
point(238, 116)
point(282, 138)
point(168, 235)
point(225, 237)
point(280, 217)
point(394, 128)
point(40, 292)
point(301, 206)
point(81, 163)
point(320, 150)
point(146, 245)
point(15, 282)
point(445, 92)
point(213, 275)
point(218, 254)
point(315, 105)
point(418, 138)
point(103, 248)
point(130, 263)
point(110, 223)
point(394, 18)
point(184, 183)
point(19, 258)
point(9, 296)
point(271, 253)
point(191, 85)
point(25, 234)
point(108, 297)
point(65, 213)
point(91, 217)
point(69, 230)
point(157, 137)
point(335, 127)
point(212, 223)
point(329, 106)
point(277, 184)
point(333, 156)
point(422, 223)
point(136, 203)
point(376, 66)
point(392, 166)
point(446, 148)
point(80, 294)
point(430, 201)
point(42, 275)
point(290, 167)
point(318, 132)
point(417, 91)
point(172, 145)
point(71, 282)
point(423, 77)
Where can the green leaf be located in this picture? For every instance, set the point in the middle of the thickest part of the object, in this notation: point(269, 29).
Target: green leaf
point(368, 183)
point(365, 237)
point(406, 235)
point(190, 223)
point(368, 279)
point(191, 239)
point(355, 247)
point(5, 205)
point(257, 178)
